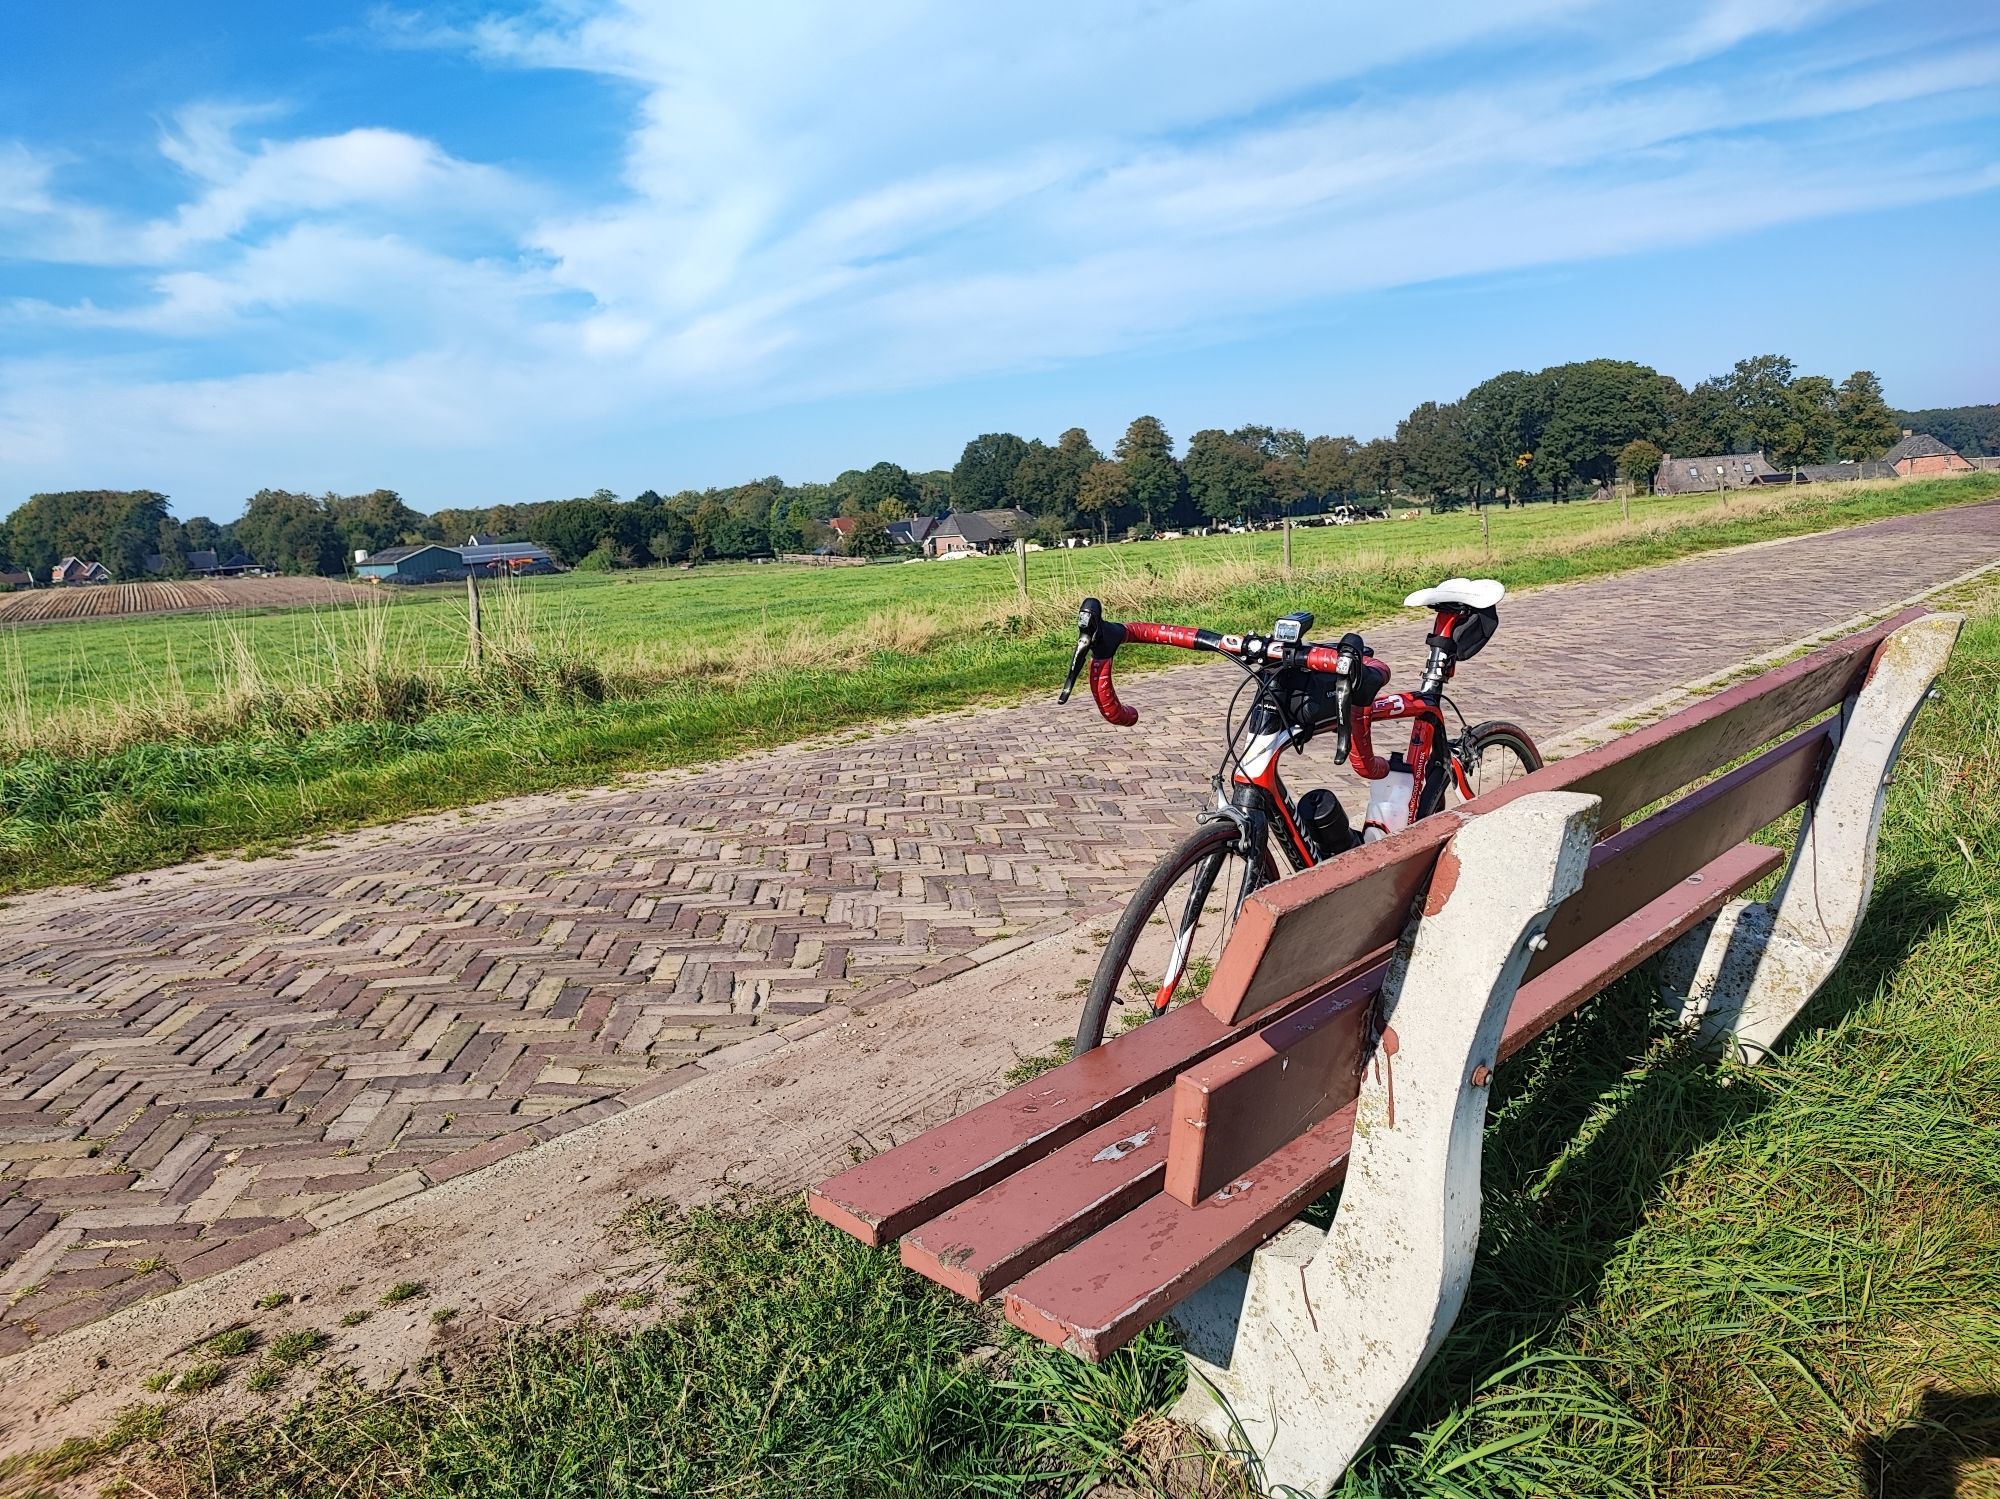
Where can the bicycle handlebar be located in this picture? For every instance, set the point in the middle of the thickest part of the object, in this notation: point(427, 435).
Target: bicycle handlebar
point(1098, 639)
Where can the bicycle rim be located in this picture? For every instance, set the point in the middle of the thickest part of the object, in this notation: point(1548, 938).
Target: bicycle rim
point(1165, 946)
point(1488, 756)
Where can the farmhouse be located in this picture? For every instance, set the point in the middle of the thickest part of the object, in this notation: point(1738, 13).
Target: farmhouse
point(911, 532)
point(209, 564)
point(842, 526)
point(1712, 471)
point(1921, 453)
point(433, 562)
point(1917, 453)
point(985, 531)
point(74, 572)
point(16, 577)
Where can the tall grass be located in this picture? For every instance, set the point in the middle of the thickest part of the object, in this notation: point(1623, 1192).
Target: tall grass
point(1693, 1281)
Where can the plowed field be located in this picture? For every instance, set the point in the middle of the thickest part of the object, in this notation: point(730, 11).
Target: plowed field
point(106, 600)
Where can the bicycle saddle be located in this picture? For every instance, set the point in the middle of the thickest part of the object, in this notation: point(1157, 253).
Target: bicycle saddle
point(1474, 593)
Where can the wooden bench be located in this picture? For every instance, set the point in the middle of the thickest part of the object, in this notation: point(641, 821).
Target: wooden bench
point(1350, 1032)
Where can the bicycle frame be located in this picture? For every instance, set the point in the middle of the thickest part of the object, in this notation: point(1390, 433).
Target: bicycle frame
point(1260, 790)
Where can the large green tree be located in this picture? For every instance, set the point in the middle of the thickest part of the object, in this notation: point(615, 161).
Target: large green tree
point(1437, 452)
point(291, 533)
point(1154, 479)
point(1102, 494)
point(1331, 467)
point(118, 527)
point(1504, 417)
point(1864, 426)
point(1814, 424)
point(979, 479)
point(369, 522)
point(1226, 477)
point(1595, 407)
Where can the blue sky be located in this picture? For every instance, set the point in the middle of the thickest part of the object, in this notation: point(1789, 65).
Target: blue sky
point(484, 253)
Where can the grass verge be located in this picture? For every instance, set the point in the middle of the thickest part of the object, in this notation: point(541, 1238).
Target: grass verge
point(288, 754)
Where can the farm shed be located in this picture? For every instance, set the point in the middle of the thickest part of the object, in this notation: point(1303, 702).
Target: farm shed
point(428, 563)
point(505, 559)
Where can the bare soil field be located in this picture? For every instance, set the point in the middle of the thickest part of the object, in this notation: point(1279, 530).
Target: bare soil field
point(105, 600)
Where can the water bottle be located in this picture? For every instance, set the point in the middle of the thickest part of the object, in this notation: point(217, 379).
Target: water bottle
point(1389, 802)
point(1325, 823)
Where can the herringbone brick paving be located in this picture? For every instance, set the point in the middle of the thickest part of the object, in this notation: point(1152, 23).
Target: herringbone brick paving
point(200, 1066)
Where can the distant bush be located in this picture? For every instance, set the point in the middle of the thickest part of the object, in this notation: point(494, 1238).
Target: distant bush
point(599, 559)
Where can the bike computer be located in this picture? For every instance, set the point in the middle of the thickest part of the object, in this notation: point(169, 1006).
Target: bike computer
point(1292, 628)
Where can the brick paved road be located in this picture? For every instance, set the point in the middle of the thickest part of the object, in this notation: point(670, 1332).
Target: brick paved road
point(202, 1064)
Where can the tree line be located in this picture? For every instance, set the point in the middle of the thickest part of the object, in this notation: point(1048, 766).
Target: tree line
point(1550, 434)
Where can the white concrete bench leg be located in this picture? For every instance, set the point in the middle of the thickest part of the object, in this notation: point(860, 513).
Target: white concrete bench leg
point(1749, 972)
point(1295, 1364)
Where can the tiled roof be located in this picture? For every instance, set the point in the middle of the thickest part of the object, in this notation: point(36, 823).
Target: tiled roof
point(1919, 445)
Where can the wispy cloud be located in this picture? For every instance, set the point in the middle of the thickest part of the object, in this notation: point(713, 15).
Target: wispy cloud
point(833, 200)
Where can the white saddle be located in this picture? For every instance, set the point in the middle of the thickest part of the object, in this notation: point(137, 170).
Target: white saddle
point(1474, 593)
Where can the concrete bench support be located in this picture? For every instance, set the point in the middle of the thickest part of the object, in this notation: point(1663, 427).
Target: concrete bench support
point(1746, 975)
point(1294, 1364)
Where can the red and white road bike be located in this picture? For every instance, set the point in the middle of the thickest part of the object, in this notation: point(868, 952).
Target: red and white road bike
point(1166, 942)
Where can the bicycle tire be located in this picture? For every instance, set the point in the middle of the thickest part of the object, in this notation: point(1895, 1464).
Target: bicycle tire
point(1509, 742)
point(1214, 841)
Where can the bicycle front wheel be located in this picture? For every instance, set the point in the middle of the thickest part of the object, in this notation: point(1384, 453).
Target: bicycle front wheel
point(1489, 755)
point(1165, 945)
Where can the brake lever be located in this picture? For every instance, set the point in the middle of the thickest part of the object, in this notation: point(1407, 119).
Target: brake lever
point(1351, 651)
point(1075, 667)
point(1088, 618)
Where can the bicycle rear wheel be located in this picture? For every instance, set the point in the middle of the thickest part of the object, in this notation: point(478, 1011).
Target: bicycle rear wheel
point(1164, 948)
point(1491, 755)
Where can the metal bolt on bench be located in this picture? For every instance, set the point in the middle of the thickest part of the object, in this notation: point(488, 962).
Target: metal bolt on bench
point(1350, 1031)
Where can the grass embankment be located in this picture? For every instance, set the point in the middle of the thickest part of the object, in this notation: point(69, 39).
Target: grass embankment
point(1693, 1280)
point(131, 746)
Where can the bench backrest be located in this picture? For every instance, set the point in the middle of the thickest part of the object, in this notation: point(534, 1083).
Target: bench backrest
point(1294, 936)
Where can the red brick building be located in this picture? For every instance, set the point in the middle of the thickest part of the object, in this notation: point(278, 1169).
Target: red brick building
point(1920, 453)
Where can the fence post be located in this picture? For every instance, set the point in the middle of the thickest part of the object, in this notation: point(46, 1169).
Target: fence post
point(1485, 531)
point(1021, 574)
point(1288, 545)
point(475, 640)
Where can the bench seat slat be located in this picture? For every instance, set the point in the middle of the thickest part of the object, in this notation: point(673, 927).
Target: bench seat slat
point(1297, 929)
point(991, 1240)
point(1099, 1295)
point(1241, 1104)
point(886, 1196)
point(997, 1236)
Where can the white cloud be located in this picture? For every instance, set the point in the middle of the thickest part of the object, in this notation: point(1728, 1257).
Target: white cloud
point(830, 199)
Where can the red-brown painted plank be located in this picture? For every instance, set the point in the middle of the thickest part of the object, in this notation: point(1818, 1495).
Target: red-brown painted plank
point(1100, 1294)
point(1244, 1102)
point(1247, 1100)
point(886, 1196)
point(991, 1240)
point(1292, 931)
point(1565, 986)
